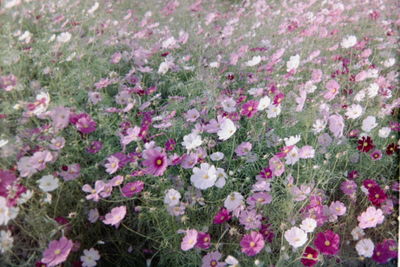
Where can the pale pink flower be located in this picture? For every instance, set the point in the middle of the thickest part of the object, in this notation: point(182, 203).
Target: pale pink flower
point(115, 216)
point(189, 240)
point(370, 218)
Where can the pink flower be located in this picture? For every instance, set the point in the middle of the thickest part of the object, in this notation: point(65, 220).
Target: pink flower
point(336, 125)
point(132, 134)
point(155, 161)
point(222, 216)
point(70, 172)
point(332, 87)
point(249, 108)
point(348, 187)
point(327, 242)
point(211, 259)
point(260, 198)
point(306, 152)
point(250, 219)
point(112, 165)
point(337, 208)
point(85, 124)
point(243, 149)
point(189, 240)
point(252, 243)
point(370, 218)
point(192, 115)
point(203, 240)
point(132, 188)
point(385, 251)
point(115, 216)
point(276, 166)
point(376, 155)
point(94, 192)
point(57, 251)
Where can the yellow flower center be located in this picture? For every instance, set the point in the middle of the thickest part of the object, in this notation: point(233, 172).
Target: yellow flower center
point(133, 188)
point(252, 244)
point(159, 162)
point(57, 252)
point(309, 256)
point(327, 243)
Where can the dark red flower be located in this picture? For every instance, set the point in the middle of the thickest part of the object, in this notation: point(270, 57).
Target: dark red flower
point(353, 175)
point(392, 148)
point(267, 232)
point(376, 195)
point(368, 183)
point(310, 257)
point(365, 144)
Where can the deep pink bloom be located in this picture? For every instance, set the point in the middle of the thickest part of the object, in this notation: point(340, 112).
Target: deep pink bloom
point(278, 98)
point(170, 144)
point(94, 147)
point(57, 251)
point(85, 124)
point(369, 183)
point(132, 188)
point(376, 195)
point(327, 242)
point(310, 257)
point(266, 173)
point(385, 251)
point(249, 108)
point(348, 187)
point(267, 232)
point(203, 240)
point(252, 243)
point(6, 179)
point(376, 155)
point(155, 161)
point(353, 175)
point(222, 216)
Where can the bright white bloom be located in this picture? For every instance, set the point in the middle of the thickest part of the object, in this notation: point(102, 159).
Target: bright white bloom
point(221, 178)
point(6, 241)
point(264, 103)
point(229, 105)
point(164, 67)
point(204, 177)
point(389, 62)
point(384, 132)
point(293, 156)
point(273, 111)
point(169, 43)
point(308, 225)
point(93, 8)
point(296, 237)
point(233, 201)
point(372, 90)
point(48, 183)
point(192, 141)
point(25, 197)
point(64, 37)
point(93, 215)
point(354, 111)
point(3, 142)
point(25, 37)
point(90, 257)
point(292, 140)
point(4, 211)
point(368, 124)
point(254, 61)
point(318, 126)
point(227, 129)
point(172, 197)
point(365, 248)
point(217, 156)
point(42, 103)
point(349, 41)
point(360, 96)
point(357, 233)
point(293, 63)
point(232, 261)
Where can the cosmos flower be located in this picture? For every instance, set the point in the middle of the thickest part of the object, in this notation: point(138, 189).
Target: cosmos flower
point(57, 252)
point(155, 162)
point(252, 243)
point(327, 242)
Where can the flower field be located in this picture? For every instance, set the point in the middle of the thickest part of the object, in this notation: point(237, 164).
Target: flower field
point(199, 133)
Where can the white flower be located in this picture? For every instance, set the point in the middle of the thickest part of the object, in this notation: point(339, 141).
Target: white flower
point(308, 225)
point(93, 8)
point(93, 215)
point(368, 124)
point(192, 141)
point(25, 37)
point(4, 211)
point(254, 61)
point(204, 177)
point(231, 261)
point(384, 132)
point(349, 41)
point(6, 241)
point(227, 129)
point(90, 257)
point(365, 248)
point(233, 201)
point(163, 68)
point(229, 105)
point(389, 62)
point(273, 111)
point(47, 198)
point(296, 237)
point(293, 63)
point(293, 156)
point(169, 43)
point(64, 37)
point(357, 233)
point(172, 197)
point(221, 178)
point(359, 96)
point(3, 142)
point(318, 126)
point(264, 103)
point(292, 140)
point(217, 156)
point(42, 103)
point(25, 197)
point(372, 90)
point(354, 111)
point(48, 183)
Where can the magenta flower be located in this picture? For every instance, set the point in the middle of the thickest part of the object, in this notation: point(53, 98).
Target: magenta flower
point(267, 232)
point(133, 188)
point(376, 155)
point(249, 108)
point(266, 173)
point(376, 195)
point(170, 144)
point(385, 251)
point(155, 161)
point(94, 147)
point(327, 242)
point(85, 124)
point(203, 240)
point(278, 98)
point(222, 216)
point(115, 216)
point(57, 251)
point(310, 257)
point(252, 243)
